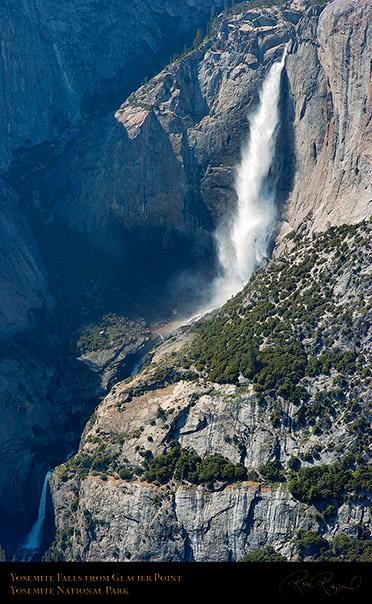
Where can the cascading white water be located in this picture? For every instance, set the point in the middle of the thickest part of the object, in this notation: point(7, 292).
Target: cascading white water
point(33, 540)
point(243, 245)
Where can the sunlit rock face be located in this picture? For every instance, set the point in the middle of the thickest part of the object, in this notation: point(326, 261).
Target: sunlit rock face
point(330, 92)
point(165, 160)
point(120, 497)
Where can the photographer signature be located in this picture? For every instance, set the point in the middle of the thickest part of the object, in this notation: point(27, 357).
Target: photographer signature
point(302, 581)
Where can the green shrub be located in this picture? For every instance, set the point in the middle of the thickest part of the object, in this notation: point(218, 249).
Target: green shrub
point(266, 554)
point(331, 483)
point(125, 473)
point(162, 466)
point(320, 483)
point(345, 549)
point(217, 467)
point(102, 462)
point(310, 544)
point(184, 464)
point(271, 471)
point(341, 549)
point(329, 512)
point(294, 463)
point(281, 365)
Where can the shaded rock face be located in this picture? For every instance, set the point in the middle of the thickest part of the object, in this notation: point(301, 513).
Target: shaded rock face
point(51, 89)
point(23, 278)
point(43, 399)
point(60, 64)
point(49, 84)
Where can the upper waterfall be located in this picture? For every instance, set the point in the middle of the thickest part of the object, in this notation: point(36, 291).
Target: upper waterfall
point(244, 243)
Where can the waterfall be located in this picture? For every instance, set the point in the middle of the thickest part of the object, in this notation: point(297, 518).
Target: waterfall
point(244, 243)
point(33, 540)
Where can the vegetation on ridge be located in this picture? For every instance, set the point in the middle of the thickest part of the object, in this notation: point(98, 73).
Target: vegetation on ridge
point(288, 323)
point(184, 464)
point(311, 545)
point(293, 348)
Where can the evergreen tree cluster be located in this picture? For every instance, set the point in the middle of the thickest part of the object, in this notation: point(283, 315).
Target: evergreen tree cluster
point(185, 465)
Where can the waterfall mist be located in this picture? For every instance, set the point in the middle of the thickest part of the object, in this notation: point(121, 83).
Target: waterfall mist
point(244, 243)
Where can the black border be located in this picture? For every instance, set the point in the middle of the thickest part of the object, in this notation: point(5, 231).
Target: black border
point(193, 581)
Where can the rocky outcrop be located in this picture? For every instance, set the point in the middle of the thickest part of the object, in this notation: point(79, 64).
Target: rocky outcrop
point(120, 498)
point(165, 160)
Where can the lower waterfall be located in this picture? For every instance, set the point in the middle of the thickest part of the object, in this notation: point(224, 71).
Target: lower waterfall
point(34, 538)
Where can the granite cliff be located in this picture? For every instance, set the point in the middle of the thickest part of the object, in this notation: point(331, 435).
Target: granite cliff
point(248, 431)
point(51, 88)
point(62, 62)
point(205, 457)
point(112, 208)
point(62, 65)
point(188, 124)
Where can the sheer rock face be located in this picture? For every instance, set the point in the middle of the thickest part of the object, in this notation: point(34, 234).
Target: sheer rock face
point(330, 90)
point(23, 278)
point(55, 56)
point(142, 522)
point(166, 160)
point(60, 64)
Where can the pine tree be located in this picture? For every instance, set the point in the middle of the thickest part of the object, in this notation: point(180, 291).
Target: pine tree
point(210, 23)
point(198, 38)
